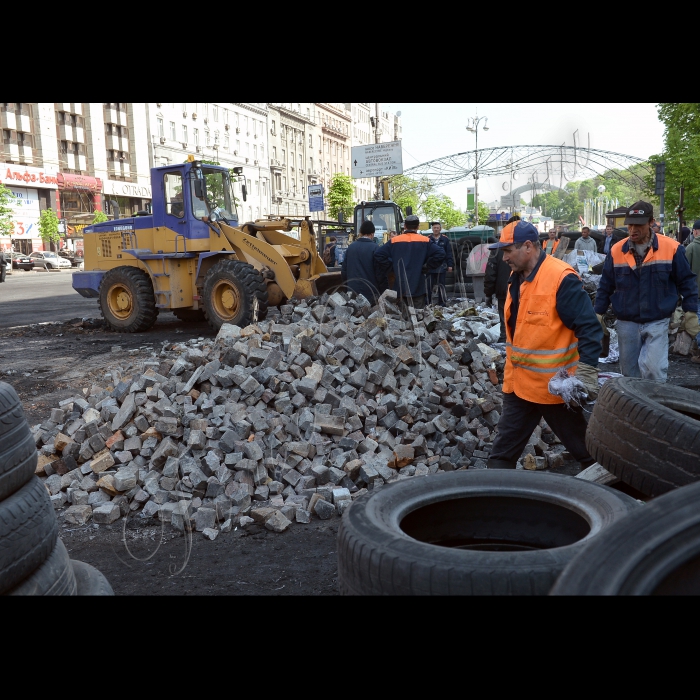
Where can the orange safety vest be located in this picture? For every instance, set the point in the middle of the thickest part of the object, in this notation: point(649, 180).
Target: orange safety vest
point(554, 247)
point(542, 344)
point(662, 256)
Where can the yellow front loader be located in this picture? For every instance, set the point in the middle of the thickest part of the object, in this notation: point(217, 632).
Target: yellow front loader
point(192, 257)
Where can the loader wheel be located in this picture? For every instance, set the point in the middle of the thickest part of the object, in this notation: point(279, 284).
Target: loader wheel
point(127, 300)
point(234, 292)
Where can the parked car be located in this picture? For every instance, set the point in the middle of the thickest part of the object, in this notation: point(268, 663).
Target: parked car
point(70, 256)
point(49, 260)
point(20, 261)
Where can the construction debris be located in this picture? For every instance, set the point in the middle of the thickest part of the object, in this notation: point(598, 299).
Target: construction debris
point(283, 421)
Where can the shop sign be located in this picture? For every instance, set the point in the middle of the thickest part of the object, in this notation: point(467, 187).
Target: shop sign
point(127, 189)
point(22, 175)
point(70, 181)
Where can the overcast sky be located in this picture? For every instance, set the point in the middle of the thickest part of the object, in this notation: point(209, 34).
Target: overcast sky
point(432, 131)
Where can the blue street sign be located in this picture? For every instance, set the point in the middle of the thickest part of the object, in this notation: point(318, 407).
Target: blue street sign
point(316, 198)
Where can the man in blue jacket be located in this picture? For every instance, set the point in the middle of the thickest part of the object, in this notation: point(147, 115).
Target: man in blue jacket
point(438, 276)
point(358, 270)
point(407, 254)
point(642, 278)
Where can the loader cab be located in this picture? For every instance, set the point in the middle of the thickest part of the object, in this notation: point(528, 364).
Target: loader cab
point(187, 197)
point(385, 215)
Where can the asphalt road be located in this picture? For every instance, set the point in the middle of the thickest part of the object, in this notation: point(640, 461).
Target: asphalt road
point(40, 297)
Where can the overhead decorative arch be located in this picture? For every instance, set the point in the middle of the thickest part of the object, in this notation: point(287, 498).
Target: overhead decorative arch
point(546, 166)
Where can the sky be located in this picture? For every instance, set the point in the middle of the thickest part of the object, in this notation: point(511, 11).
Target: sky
point(432, 131)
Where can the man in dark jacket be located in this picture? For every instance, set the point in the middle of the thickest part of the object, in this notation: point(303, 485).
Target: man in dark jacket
point(438, 276)
point(358, 266)
point(407, 255)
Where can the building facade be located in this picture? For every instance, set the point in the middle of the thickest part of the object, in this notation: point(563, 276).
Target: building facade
point(229, 133)
point(293, 167)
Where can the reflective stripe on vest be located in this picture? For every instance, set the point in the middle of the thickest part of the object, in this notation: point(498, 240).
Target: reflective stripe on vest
point(662, 256)
point(543, 344)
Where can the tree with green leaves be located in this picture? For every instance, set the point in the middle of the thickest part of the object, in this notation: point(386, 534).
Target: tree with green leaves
point(483, 215)
point(99, 217)
point(682, 156)
point(439, 207)
point(340, 196)
point(6, 223)
point(409, 192)
point(48, 227)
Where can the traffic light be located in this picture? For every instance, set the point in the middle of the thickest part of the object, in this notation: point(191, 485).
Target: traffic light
point(660, 178)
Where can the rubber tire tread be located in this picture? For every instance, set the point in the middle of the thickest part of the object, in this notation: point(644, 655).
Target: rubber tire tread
point(54, 577)
point(190, 315)
point(375, 557)
point(649, 446)
point(28, 533)
point(252, 283)
point(90, 581)
point(144, 296)
point(639, 552)
point(18, 455)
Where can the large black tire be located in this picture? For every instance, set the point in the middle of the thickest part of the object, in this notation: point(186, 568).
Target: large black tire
point(28, 532)
point(647, 434)
point(234, 292)
point(18, 455)
point(497, 532)
point(54, 577)
point(127, 300)
point(653, 551)
point(90, 580)
point(190, 315)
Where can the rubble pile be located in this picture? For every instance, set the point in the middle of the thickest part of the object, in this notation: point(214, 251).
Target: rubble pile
point(281, 421)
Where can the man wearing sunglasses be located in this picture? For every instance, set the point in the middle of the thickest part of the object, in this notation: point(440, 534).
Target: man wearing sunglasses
point(642, 278)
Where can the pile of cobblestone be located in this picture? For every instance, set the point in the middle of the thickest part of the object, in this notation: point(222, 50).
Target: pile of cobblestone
point(282, 421)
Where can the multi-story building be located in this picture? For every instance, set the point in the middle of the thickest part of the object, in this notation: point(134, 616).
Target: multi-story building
point(293, 165)
point(229, 133)
point(334, 124)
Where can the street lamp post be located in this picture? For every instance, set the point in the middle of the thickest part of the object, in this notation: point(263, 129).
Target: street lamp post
point(473, 126)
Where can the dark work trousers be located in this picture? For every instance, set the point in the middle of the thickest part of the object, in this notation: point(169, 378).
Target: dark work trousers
point(501, 311)
point(518, 421)
point(439, 279)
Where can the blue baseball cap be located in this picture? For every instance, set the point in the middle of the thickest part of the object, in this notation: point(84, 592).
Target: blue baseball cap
point(516, 232)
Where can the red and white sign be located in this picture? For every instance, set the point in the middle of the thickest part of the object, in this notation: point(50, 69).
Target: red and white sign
point(69, 181)
point(22, 175)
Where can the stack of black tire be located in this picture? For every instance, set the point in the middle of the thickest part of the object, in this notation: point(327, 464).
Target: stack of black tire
point(492, 532)
point(33, 560)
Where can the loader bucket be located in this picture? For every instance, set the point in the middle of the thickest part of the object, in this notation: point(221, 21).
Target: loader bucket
point(318, 284)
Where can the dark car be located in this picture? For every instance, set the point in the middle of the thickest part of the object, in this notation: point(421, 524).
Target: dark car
point(20, 261)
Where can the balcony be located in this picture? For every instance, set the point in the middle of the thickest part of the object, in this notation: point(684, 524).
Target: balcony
point(8, 120)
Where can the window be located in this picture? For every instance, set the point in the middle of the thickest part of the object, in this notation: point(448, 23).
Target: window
point(247, 130)
point(262, 152)
point(264, 189)
point(227, 143)
point(216, 138)
point(184, 107)
point(301, 165)
point(215, 112)
point(172, 131)
point(255, 151)
point(161, 129)
point(257, 188)
point(238, 121)
point(273, 127)
point(174, 204)
point(274, 152)
point(284, 183)
point(206, 137)
point(284, 157)
point(184, 133)
point(311, 140)
point(195, 136)
point(238, 147)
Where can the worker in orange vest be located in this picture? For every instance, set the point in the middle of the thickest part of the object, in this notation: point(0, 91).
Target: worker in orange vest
point(550, 325)
point(552, 243)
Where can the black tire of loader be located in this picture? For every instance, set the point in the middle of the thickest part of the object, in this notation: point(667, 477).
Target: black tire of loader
point(251, 285)
point(18, 456)
point(145, 312)
point(653, 551)
point(647, 434)
point(517, 529)
point(28, 532)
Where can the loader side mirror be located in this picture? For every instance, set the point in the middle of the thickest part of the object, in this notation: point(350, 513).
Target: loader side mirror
point(199, 189)
point(244, 192)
